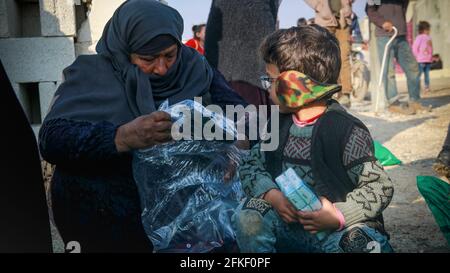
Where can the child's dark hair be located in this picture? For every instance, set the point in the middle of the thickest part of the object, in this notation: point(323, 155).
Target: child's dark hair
point(423, 26)
point(197, 29)
point(311, 50)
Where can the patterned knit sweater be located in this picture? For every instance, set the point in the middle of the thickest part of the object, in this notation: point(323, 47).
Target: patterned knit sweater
point(374, 189)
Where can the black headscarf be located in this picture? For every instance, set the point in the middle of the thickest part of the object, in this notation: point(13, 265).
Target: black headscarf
point(116, 90)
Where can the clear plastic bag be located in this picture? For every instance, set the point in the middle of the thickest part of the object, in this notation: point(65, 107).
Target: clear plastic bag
point(179, 110)
point(187, 204)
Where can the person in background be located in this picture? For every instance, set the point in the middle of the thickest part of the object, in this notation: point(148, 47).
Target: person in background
point(328, 148)
point(385, 16)
point(423, 50)
point(198, 42)
point(302, 22)
point(335, 15)
point(436, 62)
point(235, 29)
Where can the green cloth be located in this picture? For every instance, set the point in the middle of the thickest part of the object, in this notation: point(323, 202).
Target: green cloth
point(437, 195)
point(385, 156)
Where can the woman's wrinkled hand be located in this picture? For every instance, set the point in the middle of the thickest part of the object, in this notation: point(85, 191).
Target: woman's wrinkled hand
point(144, 131)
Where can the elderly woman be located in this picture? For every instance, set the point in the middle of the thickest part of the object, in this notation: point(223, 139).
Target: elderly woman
point(106, 108)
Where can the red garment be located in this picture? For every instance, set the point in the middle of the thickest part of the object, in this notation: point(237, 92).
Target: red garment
point(195, 45)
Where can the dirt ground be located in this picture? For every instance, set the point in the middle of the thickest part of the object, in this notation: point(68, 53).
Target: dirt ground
point(416, 141)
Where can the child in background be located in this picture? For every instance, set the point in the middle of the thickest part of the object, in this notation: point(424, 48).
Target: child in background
point(329, 149)
point(198, 42)
point(423, 50)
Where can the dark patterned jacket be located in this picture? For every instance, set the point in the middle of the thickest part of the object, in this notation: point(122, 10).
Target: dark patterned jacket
point(336, 159)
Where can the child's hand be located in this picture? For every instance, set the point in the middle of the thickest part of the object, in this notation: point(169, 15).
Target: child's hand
point(324, 219)
point(282, 205)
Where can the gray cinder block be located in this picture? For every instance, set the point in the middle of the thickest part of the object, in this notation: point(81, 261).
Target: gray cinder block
point(40, 59)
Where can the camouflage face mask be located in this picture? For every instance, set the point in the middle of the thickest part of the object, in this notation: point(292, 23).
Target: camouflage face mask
point(295, 89)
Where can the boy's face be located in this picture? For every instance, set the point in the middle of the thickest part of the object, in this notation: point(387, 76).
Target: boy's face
point(273, 72)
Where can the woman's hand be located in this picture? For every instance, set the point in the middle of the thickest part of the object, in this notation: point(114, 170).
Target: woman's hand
point(282, 205)
point(144, 131)
point(324, 219)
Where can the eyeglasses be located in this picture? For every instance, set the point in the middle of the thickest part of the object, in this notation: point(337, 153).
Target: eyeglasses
point(266, 82)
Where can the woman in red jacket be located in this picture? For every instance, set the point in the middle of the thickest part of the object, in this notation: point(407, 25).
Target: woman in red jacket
point(198, 42)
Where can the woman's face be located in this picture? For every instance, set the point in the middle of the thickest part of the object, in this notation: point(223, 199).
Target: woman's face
point(157, 64)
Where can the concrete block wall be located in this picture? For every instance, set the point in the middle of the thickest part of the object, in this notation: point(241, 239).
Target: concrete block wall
point(91, 29)
point(30, 19)
point(57, 17)
point(39, 38)
point(4, 28)
point(36, 59)
point(19, 18)
point(46, 91)
point(37, 41)
point(21, 96)
point(4, 16)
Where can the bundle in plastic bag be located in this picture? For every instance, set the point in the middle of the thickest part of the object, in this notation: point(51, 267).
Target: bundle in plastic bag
point(385, 156)
point(187, 204)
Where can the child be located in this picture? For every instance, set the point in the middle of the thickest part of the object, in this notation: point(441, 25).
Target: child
point(198, 41)
point(328, 148)
point(423, 50)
